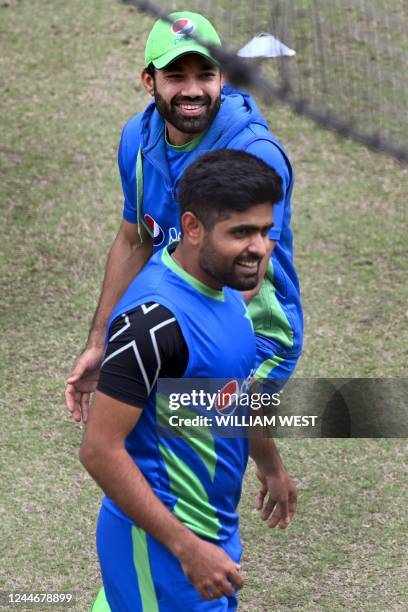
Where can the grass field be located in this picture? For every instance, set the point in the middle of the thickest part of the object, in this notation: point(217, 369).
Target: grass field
point(69, 74)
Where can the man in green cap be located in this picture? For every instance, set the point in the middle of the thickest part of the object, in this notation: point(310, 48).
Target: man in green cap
point(193, 112)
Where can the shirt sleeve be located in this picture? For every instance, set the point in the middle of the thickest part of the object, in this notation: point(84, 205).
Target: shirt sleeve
point(128, 186)
point(143, 344)
point(270, 154)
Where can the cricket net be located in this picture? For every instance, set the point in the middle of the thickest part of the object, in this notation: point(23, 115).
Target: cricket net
point(342, 63)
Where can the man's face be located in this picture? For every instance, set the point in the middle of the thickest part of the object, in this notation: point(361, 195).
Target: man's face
point(232, 250)
point(188, 93)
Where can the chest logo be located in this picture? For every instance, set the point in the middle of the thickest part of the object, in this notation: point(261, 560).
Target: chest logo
point(227, 398)
point(156, 230)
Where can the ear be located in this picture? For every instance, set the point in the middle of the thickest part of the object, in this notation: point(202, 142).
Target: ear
point(193, 229)
point(222, 80)
point(147, 81)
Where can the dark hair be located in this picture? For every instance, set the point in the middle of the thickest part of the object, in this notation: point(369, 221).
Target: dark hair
point(226, 181)
point(150, 69)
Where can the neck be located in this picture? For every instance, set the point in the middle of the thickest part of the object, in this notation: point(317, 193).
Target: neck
point(188, 259)
point(177, 138)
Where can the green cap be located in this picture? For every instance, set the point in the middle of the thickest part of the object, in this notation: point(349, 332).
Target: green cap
point(167, 41)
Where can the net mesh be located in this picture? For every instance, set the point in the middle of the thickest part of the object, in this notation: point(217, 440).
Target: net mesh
point(349, 72)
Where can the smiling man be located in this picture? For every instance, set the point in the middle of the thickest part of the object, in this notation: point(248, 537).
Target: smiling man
point(193, 112)
point(167, 535)
point(186, 116)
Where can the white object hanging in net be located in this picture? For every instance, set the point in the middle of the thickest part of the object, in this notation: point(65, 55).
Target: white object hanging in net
point(265, 45)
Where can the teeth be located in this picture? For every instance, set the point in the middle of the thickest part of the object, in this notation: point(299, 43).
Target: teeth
point(190, 106)
point(248, 264)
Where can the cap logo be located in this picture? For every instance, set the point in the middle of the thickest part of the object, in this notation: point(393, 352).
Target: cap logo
point(183, 27)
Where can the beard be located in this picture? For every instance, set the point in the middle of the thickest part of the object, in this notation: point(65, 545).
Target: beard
point(218, 268)
point(187, 125)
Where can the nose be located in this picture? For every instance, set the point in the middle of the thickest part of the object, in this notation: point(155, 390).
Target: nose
point(192, 88)
point(258, 245)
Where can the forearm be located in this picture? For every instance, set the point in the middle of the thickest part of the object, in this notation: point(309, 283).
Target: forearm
point(122, 481)
point(265, 454)
point(126, 258)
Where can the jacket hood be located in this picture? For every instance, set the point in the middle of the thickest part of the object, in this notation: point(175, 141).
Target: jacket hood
point(238, 109)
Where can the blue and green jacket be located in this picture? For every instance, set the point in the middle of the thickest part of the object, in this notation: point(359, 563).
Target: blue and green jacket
point(150, 171)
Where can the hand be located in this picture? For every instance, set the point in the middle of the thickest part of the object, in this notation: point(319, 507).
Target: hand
point(211, 571)
point(281, 504)
point(82, 382)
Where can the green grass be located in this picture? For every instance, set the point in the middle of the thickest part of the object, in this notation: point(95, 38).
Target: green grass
point(70, 75)
point(343, 551)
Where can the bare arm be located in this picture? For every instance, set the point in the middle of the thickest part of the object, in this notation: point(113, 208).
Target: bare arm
point(126, 258)
point(265, 454)
point(104, 455)
point(275, 480)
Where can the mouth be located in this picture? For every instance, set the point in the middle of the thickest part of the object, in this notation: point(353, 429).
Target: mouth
point(250, 267)
point(191, 110)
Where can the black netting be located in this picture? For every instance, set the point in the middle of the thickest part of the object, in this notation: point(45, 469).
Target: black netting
point(349, 72)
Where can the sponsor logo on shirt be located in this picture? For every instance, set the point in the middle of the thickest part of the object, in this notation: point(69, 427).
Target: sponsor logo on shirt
point(226, 402)
point(158, 234)
point(174, 235)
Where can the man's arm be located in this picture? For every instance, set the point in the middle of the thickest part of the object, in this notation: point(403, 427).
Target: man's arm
point(275, 480)
point(126, 258)
point(208, 567)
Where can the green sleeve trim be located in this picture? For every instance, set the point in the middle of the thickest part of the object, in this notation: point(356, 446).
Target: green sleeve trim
point(139, 197)
point(267, 366)
point(144, 574)
point(215, 294)
point(267, 314)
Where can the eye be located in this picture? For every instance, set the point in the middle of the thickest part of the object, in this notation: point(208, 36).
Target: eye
point(240, 232)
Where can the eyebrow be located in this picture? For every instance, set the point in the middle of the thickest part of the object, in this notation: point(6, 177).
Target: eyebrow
point(250, 226)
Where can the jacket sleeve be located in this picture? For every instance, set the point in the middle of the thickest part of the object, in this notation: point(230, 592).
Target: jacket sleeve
point(271, 154)
point(127, 154)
